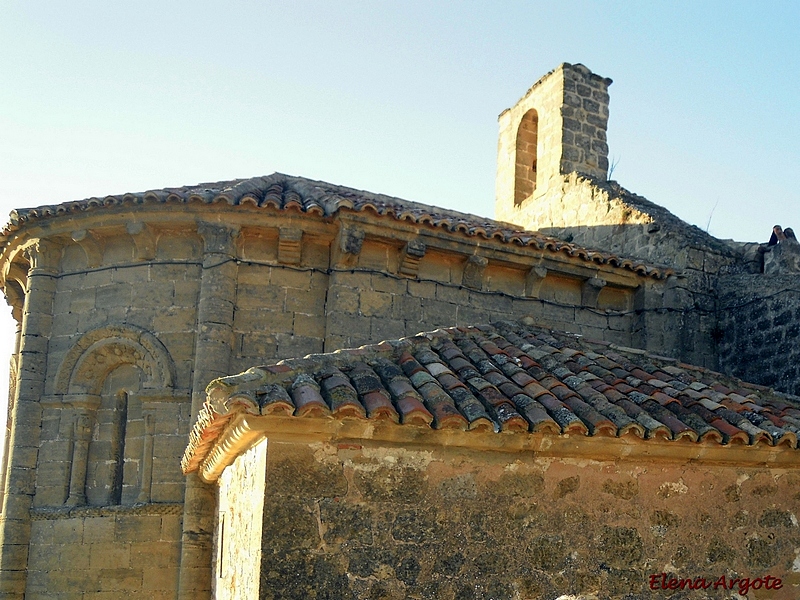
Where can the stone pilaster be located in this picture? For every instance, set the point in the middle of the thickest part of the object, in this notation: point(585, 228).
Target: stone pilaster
point(213, 347)
point(26, 417)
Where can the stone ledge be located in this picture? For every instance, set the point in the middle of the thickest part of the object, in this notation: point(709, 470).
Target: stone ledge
point(71, 512)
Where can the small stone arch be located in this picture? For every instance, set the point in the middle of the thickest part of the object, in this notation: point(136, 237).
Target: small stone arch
point(100, 351)
point(526, 167)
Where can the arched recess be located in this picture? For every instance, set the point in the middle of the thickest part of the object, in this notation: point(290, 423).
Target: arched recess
point(102, 376)
point(100, 351)
point(526, 157)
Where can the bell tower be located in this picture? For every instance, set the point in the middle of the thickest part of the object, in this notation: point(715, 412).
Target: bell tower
point(558, 127)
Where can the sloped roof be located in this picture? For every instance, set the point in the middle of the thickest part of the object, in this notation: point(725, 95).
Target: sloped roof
point(284, 192)
point(506, 378)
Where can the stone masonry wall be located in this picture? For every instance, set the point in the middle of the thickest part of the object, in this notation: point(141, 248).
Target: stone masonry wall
point(237, 543)
point(120, 360)
point(759, 329)
point(351, 521)
point(105, 555)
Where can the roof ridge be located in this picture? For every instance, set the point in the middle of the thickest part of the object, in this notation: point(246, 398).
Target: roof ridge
point(327, 199)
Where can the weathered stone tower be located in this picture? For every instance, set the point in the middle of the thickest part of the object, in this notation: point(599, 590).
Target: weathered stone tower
point(558, 127)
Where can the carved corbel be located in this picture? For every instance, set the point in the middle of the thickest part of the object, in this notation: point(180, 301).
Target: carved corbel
point(218, 238)
point(590, 290)
point(473, 272)
point(347, 247)
point(534, 280)
point(409, 260)
point(289, 245)
point(143, 240)
point(90, 246)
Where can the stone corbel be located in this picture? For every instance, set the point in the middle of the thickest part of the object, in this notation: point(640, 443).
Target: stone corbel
point(347, 247)
point(90, 246)
point(218, 238)
point(534, 280)
point(289, 245)
point(143, 240)
point(473, 272)
point(590, 290)
point(410, 258)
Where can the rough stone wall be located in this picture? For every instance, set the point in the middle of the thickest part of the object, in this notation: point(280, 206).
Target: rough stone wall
point(679, 319)
point(237, 543)
point(759, 329)
point(351, 521)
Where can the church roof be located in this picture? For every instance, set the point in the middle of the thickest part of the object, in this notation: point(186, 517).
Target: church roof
point(507, 378)
point(284, 192)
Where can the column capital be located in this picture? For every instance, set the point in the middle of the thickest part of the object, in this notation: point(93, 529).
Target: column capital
point(44, 256)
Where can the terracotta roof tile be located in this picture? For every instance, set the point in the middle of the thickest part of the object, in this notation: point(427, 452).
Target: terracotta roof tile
point(287, 193)
point(475, 379)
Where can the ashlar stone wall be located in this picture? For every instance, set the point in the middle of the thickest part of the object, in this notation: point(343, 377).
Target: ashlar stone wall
point(140, 316)
point(365, 521)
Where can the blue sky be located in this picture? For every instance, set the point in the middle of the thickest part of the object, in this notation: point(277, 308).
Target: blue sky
point(399, 98)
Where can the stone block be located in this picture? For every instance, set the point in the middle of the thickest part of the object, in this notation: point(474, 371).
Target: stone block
point(137, 528)
point(260, 297)
point(109, 555)
point(387, 329)
point(407, 308)
point(165, 579)
point(167, 492)
point(343, 324)
point(297, 345)
point(82, 300)
point(375, 304)
point(175, 319)
point(342, 299)
point(422, 289)
point(115, 294)
point(494, 302)
point(439, 314)
point(311, 302)
point(386, 283)
point(98, 530)
point(121, 579)
point(309, 325)
point(452, 294)
point(136, 275)
point(290, 278)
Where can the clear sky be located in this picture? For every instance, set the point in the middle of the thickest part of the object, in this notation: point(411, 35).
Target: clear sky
point(103, 97)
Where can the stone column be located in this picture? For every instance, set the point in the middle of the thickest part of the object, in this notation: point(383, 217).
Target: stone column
point(213, 347)
point(81, 437)
point(37, 318)
point(147, 457)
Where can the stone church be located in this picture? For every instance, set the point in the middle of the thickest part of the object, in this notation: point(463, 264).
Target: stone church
point(284, 388)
